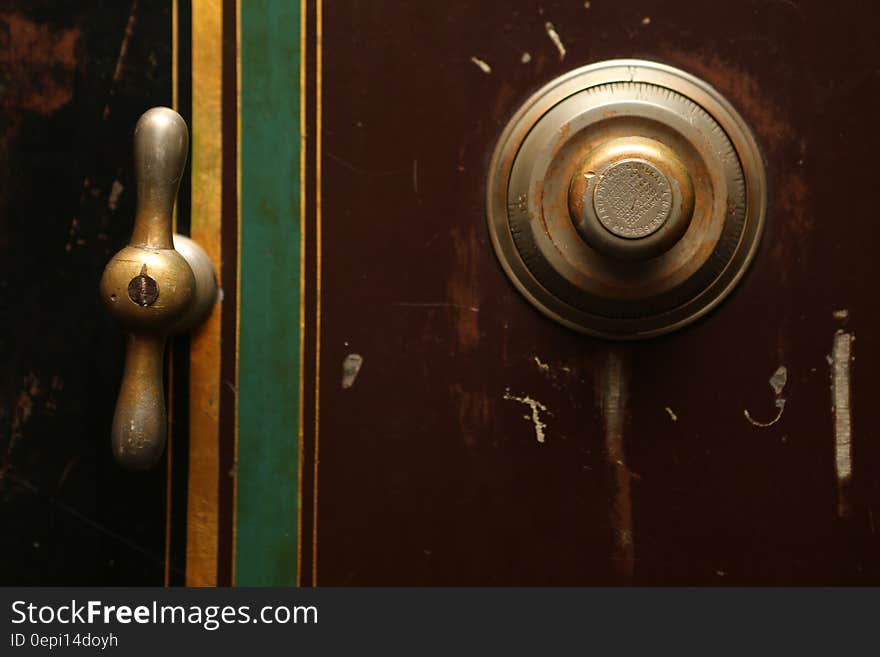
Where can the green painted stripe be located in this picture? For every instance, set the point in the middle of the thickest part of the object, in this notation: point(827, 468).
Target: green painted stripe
point(269, 326)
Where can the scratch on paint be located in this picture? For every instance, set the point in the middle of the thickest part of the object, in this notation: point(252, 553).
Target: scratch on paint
point(115, 192)
point(611, 390)
point(123, 51)
point(434, 304)
point(554, 37)
point(777, 383)
point(541, 365)
point(351, 365)
point(483, 66)
point(535, 417)
point(841, 385)
point(779, 379)
point(671, 413)
point(58, 504)
point(30, 393)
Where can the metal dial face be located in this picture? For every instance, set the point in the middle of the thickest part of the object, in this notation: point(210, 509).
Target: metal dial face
point(632, 199)
point(626, 199)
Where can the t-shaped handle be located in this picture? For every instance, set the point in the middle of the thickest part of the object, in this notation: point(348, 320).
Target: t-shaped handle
point(151, 288)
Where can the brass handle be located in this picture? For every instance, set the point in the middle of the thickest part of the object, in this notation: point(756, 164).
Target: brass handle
point(151, 288)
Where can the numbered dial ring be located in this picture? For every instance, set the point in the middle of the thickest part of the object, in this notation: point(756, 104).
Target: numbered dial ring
point(625, 199)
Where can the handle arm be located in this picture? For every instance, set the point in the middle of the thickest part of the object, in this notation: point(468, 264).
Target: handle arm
point(149, 287)
point(139, 427)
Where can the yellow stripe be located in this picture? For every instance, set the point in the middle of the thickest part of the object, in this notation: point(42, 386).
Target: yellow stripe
point(302, 277)
point(318, 72)
point(237, 272)
point(204, 403)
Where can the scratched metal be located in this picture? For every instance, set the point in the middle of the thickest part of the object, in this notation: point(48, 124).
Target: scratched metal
point(429, 474)
point(75, 77)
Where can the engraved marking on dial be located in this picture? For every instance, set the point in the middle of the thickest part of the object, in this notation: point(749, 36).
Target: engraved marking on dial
point(632, 199)
point(143, 289)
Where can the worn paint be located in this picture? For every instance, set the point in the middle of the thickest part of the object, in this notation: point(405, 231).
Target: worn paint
point(841, 407)
point(434, 304)
point(535, 417)
point(39, 64)
point(123, 54)
point(779, 379)
point(777, 384)
point(611, 397)
point(474, 412)
point(115, 192)
point(555, 38)
point(741, 86)
point(24, 407)
point(480, 64)
point(38, 76)
point(351, 366)
point(463, 287)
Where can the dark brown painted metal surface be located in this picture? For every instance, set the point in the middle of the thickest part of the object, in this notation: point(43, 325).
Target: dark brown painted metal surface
point(430, 471)
point(74, 77)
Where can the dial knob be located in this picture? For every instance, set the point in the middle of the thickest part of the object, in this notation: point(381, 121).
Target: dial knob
point(632, 198)
point(626, 199)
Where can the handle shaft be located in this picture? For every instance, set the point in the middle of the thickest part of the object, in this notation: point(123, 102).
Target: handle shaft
point(139, 423)
point(161, 141)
